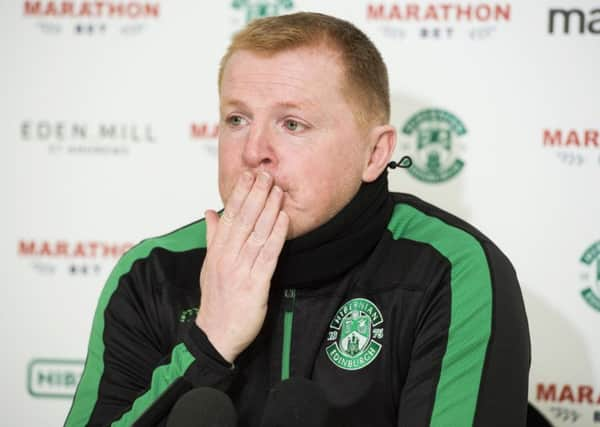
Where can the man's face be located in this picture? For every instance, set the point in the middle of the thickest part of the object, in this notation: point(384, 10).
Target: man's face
point(286, 114)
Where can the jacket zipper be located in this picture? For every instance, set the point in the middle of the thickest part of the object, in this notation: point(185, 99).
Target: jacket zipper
point(289, 296)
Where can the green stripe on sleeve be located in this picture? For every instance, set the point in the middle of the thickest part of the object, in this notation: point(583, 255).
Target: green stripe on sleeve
point(470, 313)
point(190, 237)
point(162, 378)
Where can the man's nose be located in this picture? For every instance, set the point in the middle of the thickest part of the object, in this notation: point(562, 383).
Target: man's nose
point(258, 149)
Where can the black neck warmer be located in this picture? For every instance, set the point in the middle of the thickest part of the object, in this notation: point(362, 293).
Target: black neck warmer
point(336, 246)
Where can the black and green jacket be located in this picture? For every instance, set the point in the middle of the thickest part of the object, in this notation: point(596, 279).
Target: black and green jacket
point(404, 315)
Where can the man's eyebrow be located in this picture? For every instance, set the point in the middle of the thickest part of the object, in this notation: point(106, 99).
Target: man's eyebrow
point(295, 104)
point(282, 104)
point(234, 103)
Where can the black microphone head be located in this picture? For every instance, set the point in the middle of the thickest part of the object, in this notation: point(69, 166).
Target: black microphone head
point(203, 407)
point(298, 402)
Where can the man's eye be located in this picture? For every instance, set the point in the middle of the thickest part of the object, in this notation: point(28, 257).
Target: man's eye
point(235, 120)
point(293, 125)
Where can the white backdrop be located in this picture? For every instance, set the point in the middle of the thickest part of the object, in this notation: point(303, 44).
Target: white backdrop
point(107, 115)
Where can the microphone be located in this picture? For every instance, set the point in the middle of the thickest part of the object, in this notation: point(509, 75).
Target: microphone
point(298, 402)
point(203, 407)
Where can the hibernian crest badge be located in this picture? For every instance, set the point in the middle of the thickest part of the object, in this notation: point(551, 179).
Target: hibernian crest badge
point(356, 331)
point(435, 141)
point(262, 8)
point(591, 276)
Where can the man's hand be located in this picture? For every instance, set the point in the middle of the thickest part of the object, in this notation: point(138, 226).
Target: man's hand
point(242, 250)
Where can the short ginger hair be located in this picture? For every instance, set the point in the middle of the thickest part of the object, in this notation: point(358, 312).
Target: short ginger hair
point(366, 85)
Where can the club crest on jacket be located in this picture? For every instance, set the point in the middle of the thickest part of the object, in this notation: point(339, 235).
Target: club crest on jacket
point(356, 331)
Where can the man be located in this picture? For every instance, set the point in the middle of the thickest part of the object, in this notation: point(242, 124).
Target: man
point(403, 314)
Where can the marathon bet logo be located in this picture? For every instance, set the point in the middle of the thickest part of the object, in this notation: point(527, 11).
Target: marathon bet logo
point(74, 257)
point(570, 402)
point(590, 260)
point(435, 142)
point(262, 8)
point(207, 134)
point(204, 130)
point(439, 21)
point(573, 147)
point(356, 331)
point(53, 377)
point(91, 17)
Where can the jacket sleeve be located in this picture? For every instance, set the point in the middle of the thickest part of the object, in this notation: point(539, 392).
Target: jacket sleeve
point(471, 354)
point(134, 374)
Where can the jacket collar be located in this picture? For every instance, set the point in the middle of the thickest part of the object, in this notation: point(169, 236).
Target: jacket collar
point(336, 246)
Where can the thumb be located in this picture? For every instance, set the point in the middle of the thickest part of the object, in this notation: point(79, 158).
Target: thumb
point(212, 219)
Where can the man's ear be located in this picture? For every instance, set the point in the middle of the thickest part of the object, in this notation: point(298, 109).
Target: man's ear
point(382, 141)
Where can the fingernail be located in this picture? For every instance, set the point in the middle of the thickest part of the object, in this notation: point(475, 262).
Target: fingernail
point(277, 190)
point(247, 177)
point(265, 177)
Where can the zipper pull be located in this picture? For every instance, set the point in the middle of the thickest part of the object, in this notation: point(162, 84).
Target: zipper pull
point(289, 295)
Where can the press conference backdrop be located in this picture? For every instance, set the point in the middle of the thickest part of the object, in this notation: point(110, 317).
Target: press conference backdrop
point(109, 116)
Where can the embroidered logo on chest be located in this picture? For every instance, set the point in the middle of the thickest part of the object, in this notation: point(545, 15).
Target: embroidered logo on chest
point(356, 331)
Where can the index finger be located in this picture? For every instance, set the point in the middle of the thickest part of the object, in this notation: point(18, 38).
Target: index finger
point(233, 206)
